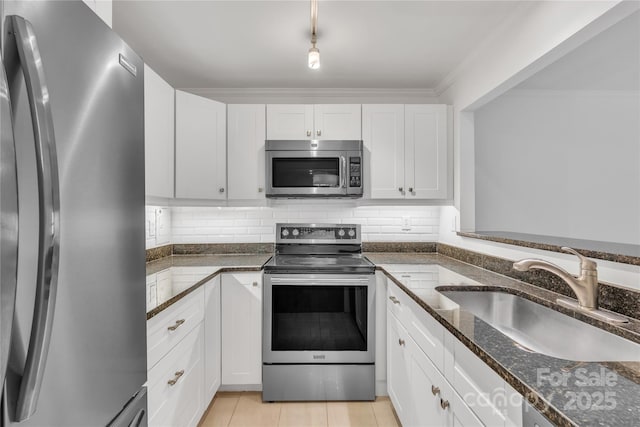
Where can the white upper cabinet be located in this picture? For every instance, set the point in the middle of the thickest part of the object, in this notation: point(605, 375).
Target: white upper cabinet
point(200, 147)
point(245, 151)
point(383, 136)
point(340, 121)
point(159, 98)
point(301, 121)
point(406, 150)
point(425, 151)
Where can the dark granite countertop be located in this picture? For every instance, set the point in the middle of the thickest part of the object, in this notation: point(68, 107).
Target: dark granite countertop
point(608, 251)
point(613, 399)
point(521, 369)
point(174, 277)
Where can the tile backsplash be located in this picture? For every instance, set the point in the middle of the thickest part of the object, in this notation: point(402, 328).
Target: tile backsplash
point(257, 224)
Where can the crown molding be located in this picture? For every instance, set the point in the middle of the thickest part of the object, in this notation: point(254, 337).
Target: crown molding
point(316, 95)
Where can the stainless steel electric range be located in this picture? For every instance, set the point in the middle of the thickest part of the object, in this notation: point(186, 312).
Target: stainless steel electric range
point(318, 316)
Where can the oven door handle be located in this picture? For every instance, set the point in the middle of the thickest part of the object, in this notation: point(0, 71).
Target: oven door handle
point(309, 281)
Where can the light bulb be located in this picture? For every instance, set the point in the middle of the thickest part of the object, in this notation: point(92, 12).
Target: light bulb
point(314, 58)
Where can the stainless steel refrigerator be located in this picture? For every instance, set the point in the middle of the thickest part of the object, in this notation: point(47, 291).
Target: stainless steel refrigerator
point(72, 266)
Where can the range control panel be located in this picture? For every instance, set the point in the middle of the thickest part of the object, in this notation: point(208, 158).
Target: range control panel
point(314, 233)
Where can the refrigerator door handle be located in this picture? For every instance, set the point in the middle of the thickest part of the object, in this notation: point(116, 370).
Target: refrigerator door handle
point(8, 223)
point(28, 56)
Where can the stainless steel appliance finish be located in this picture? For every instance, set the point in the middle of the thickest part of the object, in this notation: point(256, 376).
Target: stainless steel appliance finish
point(318, 316)
point(77, 347)
point(540, 329)
point(315, 168)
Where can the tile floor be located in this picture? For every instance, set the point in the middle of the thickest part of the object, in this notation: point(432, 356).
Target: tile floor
point(246, 409)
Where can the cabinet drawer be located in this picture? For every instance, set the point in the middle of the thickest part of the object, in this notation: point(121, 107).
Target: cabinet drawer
point(398, 303)
point(169, 327)
point(176, 385)
point(428, 334)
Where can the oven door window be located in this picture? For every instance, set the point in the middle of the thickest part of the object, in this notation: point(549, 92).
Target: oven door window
point(306, 172)
point(329, 318)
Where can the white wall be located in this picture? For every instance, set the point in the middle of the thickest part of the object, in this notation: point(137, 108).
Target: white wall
point(253, 225)
point(560, 163)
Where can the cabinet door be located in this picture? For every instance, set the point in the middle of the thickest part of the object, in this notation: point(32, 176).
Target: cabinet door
point(200, 147)
point(159, 104)
point(212, 339)
point(398, 380)
point(290, 121)
point(426, 151)
point(245, 151)
point(383, 136)
point(338, 122)
point(427, 388)
point(242, 329)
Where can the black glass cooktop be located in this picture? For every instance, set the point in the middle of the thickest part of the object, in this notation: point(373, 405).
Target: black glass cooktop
point(308, 263)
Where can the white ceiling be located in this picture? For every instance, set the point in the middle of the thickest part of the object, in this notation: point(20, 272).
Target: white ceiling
point(263, 44)
point(609, 61)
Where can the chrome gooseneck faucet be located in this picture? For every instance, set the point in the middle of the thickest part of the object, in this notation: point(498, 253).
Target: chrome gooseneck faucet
point(584, 286)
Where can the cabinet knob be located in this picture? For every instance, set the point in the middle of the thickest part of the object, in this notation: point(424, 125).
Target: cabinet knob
point(400, 341)
point(255, 284)
point(410, 189)
point(221, 189)
point(260, 189)
point(435, 390)
point(308, 133)
point(401, 189)
point(444, 404)
point(318, 132)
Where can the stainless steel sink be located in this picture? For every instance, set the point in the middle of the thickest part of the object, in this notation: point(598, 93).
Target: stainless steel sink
point(542, 330)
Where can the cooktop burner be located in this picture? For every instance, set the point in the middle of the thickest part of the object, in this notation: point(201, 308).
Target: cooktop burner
point(319, 248)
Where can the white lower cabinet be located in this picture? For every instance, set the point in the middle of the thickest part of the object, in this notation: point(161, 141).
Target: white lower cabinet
point(242, 330)
point(175, 386)
point(213, 338)
point(430, 385)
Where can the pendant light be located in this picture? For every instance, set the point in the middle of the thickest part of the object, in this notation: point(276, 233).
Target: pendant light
point(314, 52)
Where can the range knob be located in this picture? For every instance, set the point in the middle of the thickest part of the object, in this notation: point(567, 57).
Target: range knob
point(352, 232)
point(285, 232)
point(295, 232)
point(341, 232)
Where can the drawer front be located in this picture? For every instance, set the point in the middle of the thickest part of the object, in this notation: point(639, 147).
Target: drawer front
point(169, 327)
point(480, 388)
point(427, 333)
point(182, 402)
point(398, 302)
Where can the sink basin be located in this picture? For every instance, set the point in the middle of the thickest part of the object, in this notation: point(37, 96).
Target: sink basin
point(540, 329)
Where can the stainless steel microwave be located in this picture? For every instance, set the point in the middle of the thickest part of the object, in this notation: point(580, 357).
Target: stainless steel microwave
point(313, 168)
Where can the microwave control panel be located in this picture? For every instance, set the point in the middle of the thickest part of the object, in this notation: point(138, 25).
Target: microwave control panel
point(355, 171)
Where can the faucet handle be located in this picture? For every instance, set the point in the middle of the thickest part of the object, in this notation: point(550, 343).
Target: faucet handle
point(585, 263)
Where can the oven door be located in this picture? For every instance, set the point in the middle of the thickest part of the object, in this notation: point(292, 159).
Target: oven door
point(306, 173)
point(318, 318)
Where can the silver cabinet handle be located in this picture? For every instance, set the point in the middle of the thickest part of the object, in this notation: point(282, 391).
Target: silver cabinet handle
point(176, 378)
point(25, 53)
point(435, 390)
point(308, 133)
point(176, 325)
point(318, 132)
point(221, 189)
point(400, 341)
point(9, 213)
point(394, 300)
point(444, 404)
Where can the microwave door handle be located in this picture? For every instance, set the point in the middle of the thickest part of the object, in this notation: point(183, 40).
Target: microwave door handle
point(343, 175)
point(8, 223)
point(27, 56)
